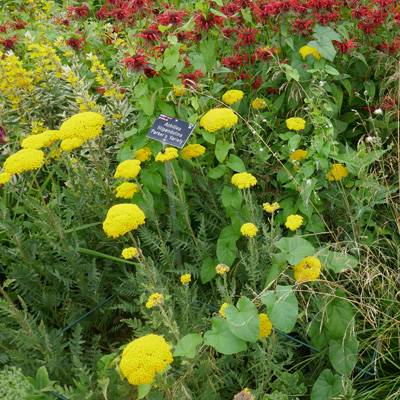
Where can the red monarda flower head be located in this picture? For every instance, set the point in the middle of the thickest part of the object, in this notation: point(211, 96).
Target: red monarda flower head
point(230, 9)
point(171, 17)
point(19, 24)
point(151, 34)
point(75, 43)
point(247, 36)
point(234, 62)
point(3, 28)
point(9, 42)
point(136, 62)
point(81, 11)
point(303, 26)
point(258, 81)
point(345, 47)
point(190, 79)
point(205, 23)
point(188, 36)
point(149, 72)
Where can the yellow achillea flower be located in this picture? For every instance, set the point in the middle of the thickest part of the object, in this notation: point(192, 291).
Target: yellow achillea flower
point(218, 118)
point(294, 222)
point(143, 154)
point(249, 230)
point(5, 177)
point(265, 325)
point(179, 90)
point(309, 51)
point(44, 139)
point(71, 144)
point(337, 172)
point(121, 219)
point(126, 190)
point(222, 309)
point(245, 394)
point(24, 160)
point(155, 299)
point(232, 96)
point(85, 126)
point(298, 155)
point(221, 269)
point(258, 103)
point(129, 252)
point(193, 151)
point(271, 208)
point(186, 279)
point(308, 269)
point(243, 180)
point(143, 358)
point(295, 124)
point(168, 154)
point(128, 169)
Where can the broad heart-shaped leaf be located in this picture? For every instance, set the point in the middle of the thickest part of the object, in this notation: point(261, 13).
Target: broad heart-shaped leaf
point(243, 321)
point(152, 180)
point(231, 198)
point(207, 271)
point(327, 386)
point(295, 249)
point(143, 390)
point(208, 49)
point(226, 245)
point(187, 346)
point(337, 261)
point(282, 307)
point(171, 57)
point(222, 149)
point(146, 103)
point(343, 353)
point(222, 339)
point(217, 172)
point(322, 32)
point(338, 318)
point(235, 163)
point(325, 48)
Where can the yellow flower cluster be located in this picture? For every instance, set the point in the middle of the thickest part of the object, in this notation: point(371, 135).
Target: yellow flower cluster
point(44, 139)
point(126, 190)
point(265, 325)
point(129, 252)
point(86, 125)
point(298, 155)
point(218, 118)
point(243, 180)
point(45, 58)
point(122, 218)
point(15, 80)
point(186, 279)
point(306, 51)
point(128, 169)
point(222, 309)
point(155, 299)
point(192, 151)
point(70, 144)
point(222, 269)
point(295, 124)
point(102, 75)
point(143, 154)
point(337, 172)
point(258, 103)
point(143, 358)
point(232, 96)
point(167, 154)
point(179, 90)
point(294, 222)
point(271, 208)
point(248, 230)
point(5, 177)
point(308, 269)
point(24, 160)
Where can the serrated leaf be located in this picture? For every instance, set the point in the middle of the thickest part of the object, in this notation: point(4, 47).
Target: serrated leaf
point(171, 57)
point(327, 387)
point(337, 261)
point(295, 249)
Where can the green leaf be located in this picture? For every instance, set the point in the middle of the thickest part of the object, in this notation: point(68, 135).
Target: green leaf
point(171, 57)
point(327, 386)
point(208, 49)
point(282, 307)
point(337, 261)
point(291, 73)
point(222, 339)
point(42, 378)
point(317, 334)
point(151, 180)
point(207, 271)
point(187, 346)
point(146, 103)
point(226, 245)
point(231, 198)
point(222, 149)
point(143, 390)
point(331, 70)
point(295, 249)
point(325, 48)
point(243, 321)
point(343, 354)
point(338, 318)
point(235, 163)
point(322, 32)
point(209, 137)
point(217, 172)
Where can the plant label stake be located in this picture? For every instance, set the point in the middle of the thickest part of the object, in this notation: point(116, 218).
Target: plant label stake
point(173, 132)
